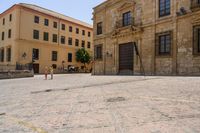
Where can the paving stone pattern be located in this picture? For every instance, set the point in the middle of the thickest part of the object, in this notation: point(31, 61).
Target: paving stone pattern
point(81, 103)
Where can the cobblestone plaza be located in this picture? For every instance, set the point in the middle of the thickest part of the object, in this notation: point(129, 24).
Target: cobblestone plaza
point(82, 103)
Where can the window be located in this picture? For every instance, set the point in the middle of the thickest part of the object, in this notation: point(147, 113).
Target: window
point(163, 43)
point(55, 25)
point(2, 55)
point(54, 55)
point(46, 22)
point(83, 44)
point(89, 34)
point(195, 4)
point(83, 32)
point(8, 54)
point(37, 19)
point(3, 21)
point(77, 42)
point(46, 36)
point(35, 34)
point(70, 29)
point(127, 18)
point(10, 17)
point(2, 36)
point(35, 54)
point(98, 52)
point(69, 41)
point(99, 28)
point(69, 57)
point(63, 26)
point(77, 30)
point(62, 39)
point(89, 45)
point(55, 38)
point(196, 40)
point(9, 33)
point(164, 8)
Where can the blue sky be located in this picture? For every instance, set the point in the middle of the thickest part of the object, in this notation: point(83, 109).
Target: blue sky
point(79, 9)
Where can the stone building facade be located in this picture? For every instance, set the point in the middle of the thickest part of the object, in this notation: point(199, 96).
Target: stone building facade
point(32, 35)
point(152, 37)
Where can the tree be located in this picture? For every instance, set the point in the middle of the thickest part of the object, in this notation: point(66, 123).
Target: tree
point(83, 56)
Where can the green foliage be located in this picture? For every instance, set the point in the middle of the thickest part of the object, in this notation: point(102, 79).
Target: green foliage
point(83, 56)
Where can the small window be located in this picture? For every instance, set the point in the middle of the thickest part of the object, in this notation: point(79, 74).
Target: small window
point(8, 54)
point(35, 34)
point(55, 25)
point(46, 22)
point(98, 52)
point(62, 39)
point(63, 26)
point(69, 57)
point(83, 44)
point(69, 41)
point(2, 36)
point(54, 55)
point(46, 36)
point(99, 28)
point(9, 33)
point(77, 30)
point(77, 43)
point(10, 17)
point(127, 19)
point(196, 40)
point(83, 32)
point(55, 38)
point(89, 45)
point(70, 29)
point(89, 34)
point(3, 21)
point(2, 55)
point(163, 43)
point(164, 8)
point(35, 54)
point(37, 19)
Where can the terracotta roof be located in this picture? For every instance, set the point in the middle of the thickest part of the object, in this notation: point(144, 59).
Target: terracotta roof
point(55, 14)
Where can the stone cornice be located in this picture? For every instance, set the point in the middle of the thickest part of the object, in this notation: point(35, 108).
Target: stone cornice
point(126, 31)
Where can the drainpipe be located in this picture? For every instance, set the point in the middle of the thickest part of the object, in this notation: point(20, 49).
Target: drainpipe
point(155, 14)
point(104, 43)
point(176, 40)
point(59, 31)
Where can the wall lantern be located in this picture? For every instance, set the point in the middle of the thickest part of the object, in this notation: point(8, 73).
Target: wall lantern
point(24, 55)
point(108, 54)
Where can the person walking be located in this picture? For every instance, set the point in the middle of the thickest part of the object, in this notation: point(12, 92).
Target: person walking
point(46, 72)
point(51, 72)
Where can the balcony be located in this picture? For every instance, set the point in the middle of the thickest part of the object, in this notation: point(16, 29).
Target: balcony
point(195, 4)
point(125, 23)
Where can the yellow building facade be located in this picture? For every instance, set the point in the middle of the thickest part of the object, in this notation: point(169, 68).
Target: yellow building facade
point(33, 35)
point(152, 37)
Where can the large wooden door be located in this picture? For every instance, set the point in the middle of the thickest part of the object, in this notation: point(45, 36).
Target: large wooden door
point(126, 58)
point(36, 68)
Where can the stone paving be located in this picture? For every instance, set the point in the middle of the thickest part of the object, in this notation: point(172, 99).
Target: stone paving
point(81, 103)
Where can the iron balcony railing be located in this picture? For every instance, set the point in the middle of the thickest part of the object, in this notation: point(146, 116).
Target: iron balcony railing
point(124, 23)
point(195, 4)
